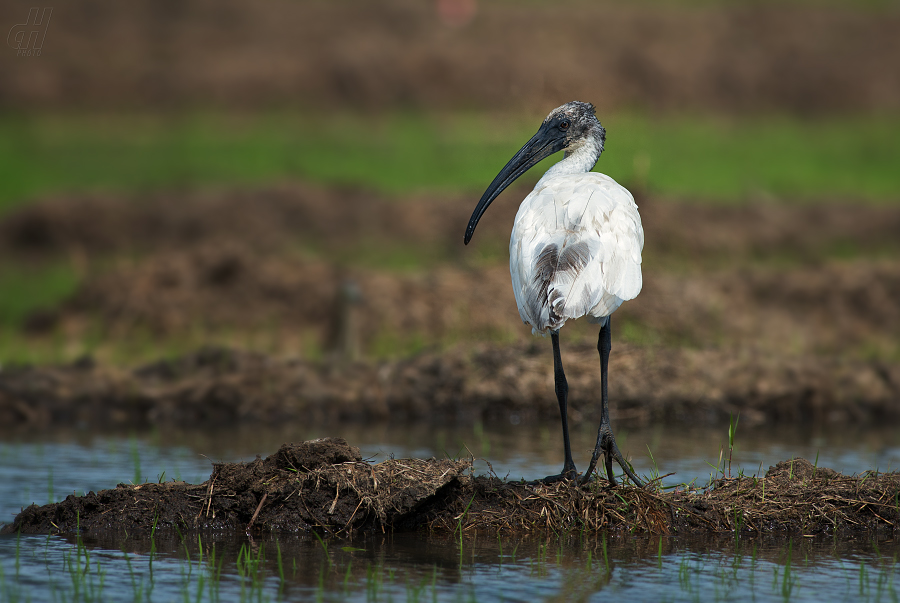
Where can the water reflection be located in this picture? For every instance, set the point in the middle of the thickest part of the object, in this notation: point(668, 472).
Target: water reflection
point(45, 466)
point(382, 567)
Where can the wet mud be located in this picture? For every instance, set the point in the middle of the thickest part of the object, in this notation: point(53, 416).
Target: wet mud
point(324, 485)
point(507, 384)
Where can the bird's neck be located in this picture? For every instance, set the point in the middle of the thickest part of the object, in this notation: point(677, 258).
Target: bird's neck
point(578, 160)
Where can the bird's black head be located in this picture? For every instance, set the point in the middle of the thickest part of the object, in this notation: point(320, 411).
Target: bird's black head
point(568, 128)
point(577, 122)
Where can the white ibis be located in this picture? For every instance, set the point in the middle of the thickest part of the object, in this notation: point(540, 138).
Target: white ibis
point(575, 251)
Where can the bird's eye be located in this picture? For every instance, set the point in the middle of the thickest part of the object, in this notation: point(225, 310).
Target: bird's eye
point(564, 125)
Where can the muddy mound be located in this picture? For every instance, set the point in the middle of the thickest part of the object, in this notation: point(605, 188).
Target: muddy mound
point(317, 484)
point(250, 55)
point(508, 384)
point(793, 497)
point(324, 485)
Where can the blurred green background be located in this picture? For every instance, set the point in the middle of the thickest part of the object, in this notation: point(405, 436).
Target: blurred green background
point(708, 104)
point(712, 159)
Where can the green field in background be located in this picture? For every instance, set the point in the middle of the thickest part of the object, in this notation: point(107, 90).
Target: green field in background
point(693, 158)
point(709, 159)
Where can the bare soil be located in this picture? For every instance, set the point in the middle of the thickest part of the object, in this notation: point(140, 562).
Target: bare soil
point(219, 387)
point(742, 311)
point(803, 58)
point(86, 227)
point(324, 485)
point(756, 276)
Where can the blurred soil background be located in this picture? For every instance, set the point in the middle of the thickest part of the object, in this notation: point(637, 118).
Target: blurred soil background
point(238, 211)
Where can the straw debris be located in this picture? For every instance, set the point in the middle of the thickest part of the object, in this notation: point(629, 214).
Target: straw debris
point(326, 486)
point(795, 496)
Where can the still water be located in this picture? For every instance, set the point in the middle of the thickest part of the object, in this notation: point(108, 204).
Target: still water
point(415, 567)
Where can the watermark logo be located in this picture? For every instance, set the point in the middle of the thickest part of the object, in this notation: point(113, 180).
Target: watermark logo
point(27, 38)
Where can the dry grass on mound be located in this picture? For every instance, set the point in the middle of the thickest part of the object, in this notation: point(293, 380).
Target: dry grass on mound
point(325, 485)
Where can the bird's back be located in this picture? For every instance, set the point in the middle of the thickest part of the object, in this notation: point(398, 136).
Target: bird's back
point(575, 250)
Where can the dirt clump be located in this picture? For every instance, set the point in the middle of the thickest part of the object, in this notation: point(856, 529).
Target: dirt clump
point(311, 455)
point(317, 484)
point(324, 485)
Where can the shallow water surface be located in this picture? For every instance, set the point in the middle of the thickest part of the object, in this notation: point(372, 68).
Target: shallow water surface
point(416, 567)
point(374, 567)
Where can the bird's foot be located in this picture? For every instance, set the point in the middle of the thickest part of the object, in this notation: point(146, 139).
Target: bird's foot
point(606, 445)
point(569, 473)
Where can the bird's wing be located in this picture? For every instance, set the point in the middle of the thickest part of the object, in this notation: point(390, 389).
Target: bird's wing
point(575, 250)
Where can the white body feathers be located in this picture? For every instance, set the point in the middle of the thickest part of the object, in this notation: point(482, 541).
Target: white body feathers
point(575, 249)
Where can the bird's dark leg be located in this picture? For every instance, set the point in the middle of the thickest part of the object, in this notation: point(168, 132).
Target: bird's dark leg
point(562, 394)
point(606, 442)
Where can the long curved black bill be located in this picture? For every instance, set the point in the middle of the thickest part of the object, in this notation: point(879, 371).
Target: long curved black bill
point(542, 145)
